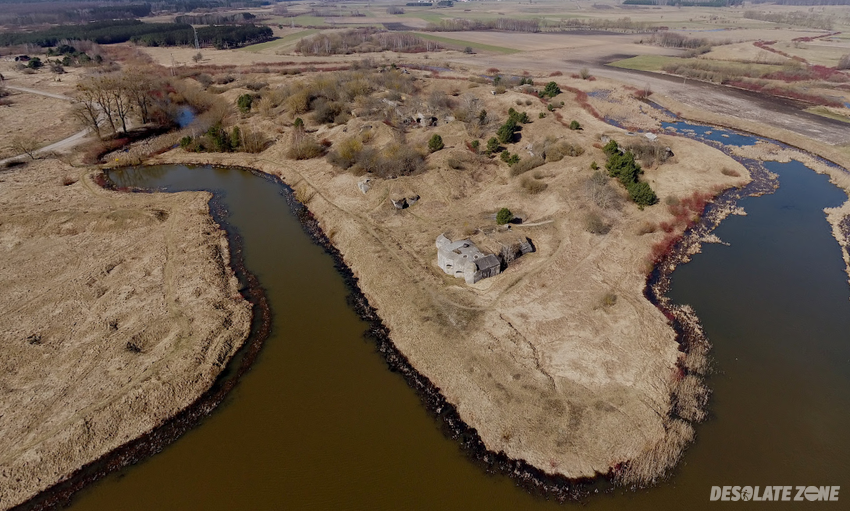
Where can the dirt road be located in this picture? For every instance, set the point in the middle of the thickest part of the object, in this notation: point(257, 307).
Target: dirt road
point(39, 92)
point(61, 145)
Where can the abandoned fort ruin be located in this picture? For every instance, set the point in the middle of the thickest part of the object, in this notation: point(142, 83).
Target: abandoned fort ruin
point(463, 258)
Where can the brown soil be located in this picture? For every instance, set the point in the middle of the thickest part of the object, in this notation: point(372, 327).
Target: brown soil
point(119, 311)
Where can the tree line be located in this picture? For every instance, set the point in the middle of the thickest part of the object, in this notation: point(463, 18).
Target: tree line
point(102, 32)
point(215, 18)
point(32, 13)
point(110, 101)
point(220, 37)
point(506, 24)
point(147, 34)
point(800, 19)
point(363, 40)
point(802, 2)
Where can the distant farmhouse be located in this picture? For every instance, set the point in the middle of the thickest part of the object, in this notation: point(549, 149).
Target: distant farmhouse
point(463, 259)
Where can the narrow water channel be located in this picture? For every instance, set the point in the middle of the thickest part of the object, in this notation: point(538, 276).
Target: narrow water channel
point(320, 423)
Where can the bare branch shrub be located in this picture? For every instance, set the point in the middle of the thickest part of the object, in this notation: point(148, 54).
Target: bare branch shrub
point(595, 224)
point(553, 149)
point(648, 152)
point(598, 190)
point(254, 141)
point(25, 145)
point(533, 186)
point(304, 146)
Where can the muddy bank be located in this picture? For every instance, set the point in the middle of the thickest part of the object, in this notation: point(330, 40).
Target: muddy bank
point(116, 330)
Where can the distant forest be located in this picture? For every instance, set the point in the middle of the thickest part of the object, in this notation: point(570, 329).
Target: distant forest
point(147, 34)
point(33, 12)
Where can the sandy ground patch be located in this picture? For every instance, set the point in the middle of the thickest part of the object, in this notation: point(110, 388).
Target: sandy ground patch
point(118, 311)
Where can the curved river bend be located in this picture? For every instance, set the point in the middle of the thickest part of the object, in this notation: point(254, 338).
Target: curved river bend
point(320, 423)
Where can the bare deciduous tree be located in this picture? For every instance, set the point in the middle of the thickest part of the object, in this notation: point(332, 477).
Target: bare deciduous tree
point(25, 145)
point(86, 110)
point(139, 88)
point(119, 98)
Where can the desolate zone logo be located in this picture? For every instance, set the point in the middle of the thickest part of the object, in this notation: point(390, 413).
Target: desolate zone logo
point(775, 493)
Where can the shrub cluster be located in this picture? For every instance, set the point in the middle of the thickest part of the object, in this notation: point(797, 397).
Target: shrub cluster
point(624, 167)
point(647, 152)
point(510, 159)
point(555, 150)
point(304, 146)
point(550, 90)
point(435, 143)
point(218, 140)
point(393, 160)
point(504, 216)
point(505, 133)
point(532, 185)
point(595, 224)
point(598, 191)
point(330, 96)
point(244, 103)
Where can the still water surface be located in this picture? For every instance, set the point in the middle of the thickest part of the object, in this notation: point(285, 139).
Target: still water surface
point(320, 423)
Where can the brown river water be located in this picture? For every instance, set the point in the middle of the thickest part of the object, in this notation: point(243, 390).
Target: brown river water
point(319, 422)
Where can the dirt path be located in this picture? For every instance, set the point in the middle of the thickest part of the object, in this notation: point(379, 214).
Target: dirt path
point(39, 92)
point(61, 145)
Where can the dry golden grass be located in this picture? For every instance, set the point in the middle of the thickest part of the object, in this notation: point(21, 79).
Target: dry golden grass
point(125, 352)
point(653, 464)
point(30, 116)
